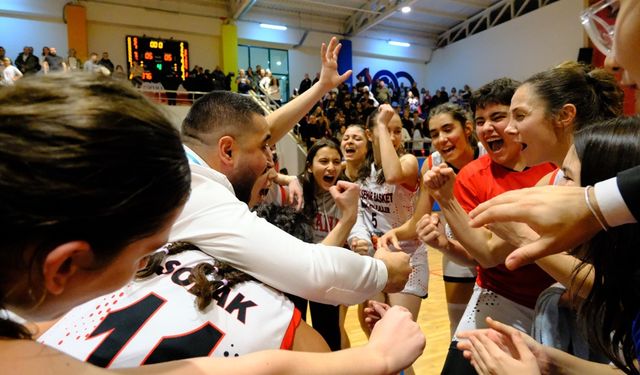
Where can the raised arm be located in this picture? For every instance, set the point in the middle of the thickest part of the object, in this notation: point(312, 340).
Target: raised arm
point(285, 117)
point(397, 170)
point(487, 249)
point(346, 195)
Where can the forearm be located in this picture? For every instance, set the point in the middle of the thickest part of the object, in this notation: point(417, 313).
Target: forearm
point(359, 360)
point(283, 179)
point(340, 233)
point(474, 240)
point(389, 157)
point(561, 267)
point(285, 117)
point(457, 253)
point(561, 363)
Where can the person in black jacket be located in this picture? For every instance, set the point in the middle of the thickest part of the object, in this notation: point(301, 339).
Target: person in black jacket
point(27, 62)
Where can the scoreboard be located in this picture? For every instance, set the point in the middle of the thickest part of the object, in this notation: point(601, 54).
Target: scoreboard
point(159, 57)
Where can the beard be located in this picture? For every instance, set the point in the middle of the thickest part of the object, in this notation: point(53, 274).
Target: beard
point(242, 183)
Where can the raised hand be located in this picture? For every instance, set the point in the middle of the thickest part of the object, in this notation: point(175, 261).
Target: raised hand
point(329, 76)
point(346, 195)
point(430, 230)
point(440, 180)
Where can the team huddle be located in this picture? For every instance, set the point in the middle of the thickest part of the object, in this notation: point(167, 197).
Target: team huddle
point(129, 245)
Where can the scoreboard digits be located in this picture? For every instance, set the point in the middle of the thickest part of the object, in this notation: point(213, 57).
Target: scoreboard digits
point(159, 57)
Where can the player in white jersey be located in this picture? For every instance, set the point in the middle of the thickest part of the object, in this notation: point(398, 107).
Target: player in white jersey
point(389, 184)
point(156, 320)
point(453, 138)
point(185, 304)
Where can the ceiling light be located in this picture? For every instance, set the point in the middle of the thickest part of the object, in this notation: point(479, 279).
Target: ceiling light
point(272, 27)
point(405, 9)
point(399, 44)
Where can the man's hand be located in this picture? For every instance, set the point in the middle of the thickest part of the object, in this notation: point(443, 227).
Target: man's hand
point(329, 77)
point(559, 214)
point(360, 246)
point(398, 268)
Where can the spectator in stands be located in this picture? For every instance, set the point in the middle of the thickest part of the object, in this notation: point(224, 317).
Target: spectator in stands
point(274, 90)
point(316, 79)
point(53, 62)
point(414, 89)
point(305, 84)
point(265, 78)
point(383, 93)
point(91, 65)
point(243, 82)
point(10, 73)
point(72, 61)
point(27, 62)
point(413, 102)
point(106, 62)
point(45, 53)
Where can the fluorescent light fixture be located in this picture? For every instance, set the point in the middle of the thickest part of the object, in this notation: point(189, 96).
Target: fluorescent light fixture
point(399, 44)
point(405, 9)
point(272, 27)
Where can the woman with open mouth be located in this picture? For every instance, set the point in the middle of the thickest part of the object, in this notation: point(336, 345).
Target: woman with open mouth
point(452, 136)
point(550, 106)
point(331, 216)
point(389, 182)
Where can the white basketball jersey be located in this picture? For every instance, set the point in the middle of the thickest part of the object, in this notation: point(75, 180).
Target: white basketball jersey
point(386, 206)
point(156, 320)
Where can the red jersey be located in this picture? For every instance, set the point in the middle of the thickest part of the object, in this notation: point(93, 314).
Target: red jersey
point(481, 180)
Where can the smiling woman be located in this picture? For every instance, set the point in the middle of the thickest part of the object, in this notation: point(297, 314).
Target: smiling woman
point(548, 107)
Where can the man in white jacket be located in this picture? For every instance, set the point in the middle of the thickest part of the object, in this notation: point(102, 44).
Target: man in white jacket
point(227, 140)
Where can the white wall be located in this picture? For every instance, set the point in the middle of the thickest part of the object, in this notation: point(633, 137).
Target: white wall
point(109, 24)
point(517, 49)
point(32, 23)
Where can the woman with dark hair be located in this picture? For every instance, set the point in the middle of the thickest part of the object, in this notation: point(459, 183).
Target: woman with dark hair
point(331, 215)
point(389, 182)
point(550, 106)
point(87, 191)
point(609, 311)
point(453, 137)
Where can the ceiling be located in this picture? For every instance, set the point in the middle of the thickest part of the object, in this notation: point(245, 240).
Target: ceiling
point(430, 23)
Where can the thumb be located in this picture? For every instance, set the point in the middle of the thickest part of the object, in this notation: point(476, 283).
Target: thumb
point(526, 254)
point(345, 75)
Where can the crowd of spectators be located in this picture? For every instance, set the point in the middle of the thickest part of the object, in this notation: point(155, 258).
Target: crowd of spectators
point(344, 106)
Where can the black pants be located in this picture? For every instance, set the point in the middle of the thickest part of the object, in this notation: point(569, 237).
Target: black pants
point(326, 319)
point(455, 363)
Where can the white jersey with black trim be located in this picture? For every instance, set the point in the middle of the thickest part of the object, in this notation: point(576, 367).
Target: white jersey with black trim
point(156, 320)
point(386, 206)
